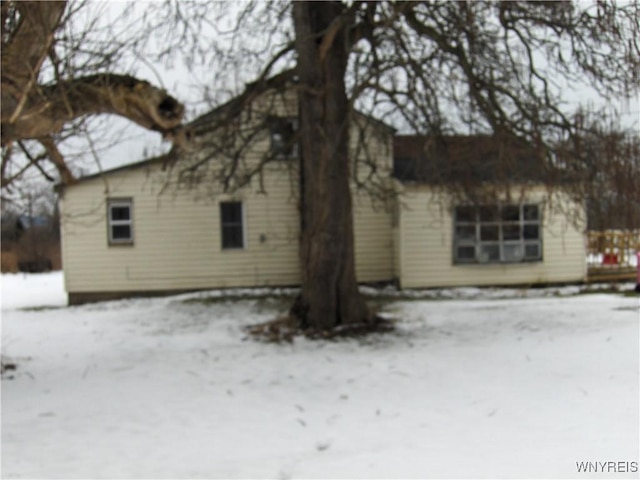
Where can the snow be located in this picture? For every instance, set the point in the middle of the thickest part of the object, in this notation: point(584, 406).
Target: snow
point(20, 290)
point(478, 384)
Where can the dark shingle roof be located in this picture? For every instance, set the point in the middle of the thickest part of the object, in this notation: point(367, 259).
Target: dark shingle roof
point(472, 159)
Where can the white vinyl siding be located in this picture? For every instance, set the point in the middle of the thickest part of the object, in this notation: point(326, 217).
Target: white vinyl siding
point(372, 216)
point(179, 233)
point(178, 239)
point(373, 240)
point(426, 238)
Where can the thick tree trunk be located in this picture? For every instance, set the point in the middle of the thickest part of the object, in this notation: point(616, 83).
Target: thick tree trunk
point(329, 294)
point(24, 49)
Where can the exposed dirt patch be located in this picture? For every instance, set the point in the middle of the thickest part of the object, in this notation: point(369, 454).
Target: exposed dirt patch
point(285, 329)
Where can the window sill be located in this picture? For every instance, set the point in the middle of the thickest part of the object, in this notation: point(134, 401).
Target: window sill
point(121, 244)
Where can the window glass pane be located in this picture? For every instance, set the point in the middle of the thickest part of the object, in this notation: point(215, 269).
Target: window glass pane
point(465, 214)
point(120, 232)
point(278, 141)
point(511, 213)
point(511, 232)
point(512, 252)
point(489, 253)
point(282, 132)
point(231, 225)
point(232, 237)
point(120, 212)
point(119, 221)
point(532, 251)
point(489, 232)
point(531, 212)
point(466, 232)
point(492, 234)
point(231, 212)
point(531, 232)
point(489, 213)
point(466, 253)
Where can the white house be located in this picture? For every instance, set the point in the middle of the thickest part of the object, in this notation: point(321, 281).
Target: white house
point(141, 230)
point(524, 233)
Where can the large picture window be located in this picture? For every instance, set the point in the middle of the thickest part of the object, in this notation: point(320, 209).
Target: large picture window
point(120, 221)
point(232, 225)
point(497, 234)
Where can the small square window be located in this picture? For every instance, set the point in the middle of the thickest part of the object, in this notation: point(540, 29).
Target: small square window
point(232, 225)
point(531, 232)
point(120, 212)
point(121, 232)
point(511, 232)
point(489, 233)
point(532, 251)
point(283, 137)
point(511, 213)
point(466, 253)
point(489, 214)
point(466, 232)
point(120, 221)
point(489, 253)
point(465, 214)
point(531, 212)
point(513, 252)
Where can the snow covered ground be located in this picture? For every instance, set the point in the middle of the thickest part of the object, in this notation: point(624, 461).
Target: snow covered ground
point(485, 384)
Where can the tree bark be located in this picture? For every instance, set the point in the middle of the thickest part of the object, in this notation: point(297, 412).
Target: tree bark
point(32, 110)
point(47, 111)
point(24, 48)
point(329, 295)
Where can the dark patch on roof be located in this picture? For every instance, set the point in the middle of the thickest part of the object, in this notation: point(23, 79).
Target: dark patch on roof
point(466, 160)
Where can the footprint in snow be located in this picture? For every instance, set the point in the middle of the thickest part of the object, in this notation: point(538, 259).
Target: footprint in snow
point(322, 446)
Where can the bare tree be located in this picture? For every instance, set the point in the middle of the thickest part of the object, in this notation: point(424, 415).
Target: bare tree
point(436, 69)
point(31, 228)
point(433, 68)
point(329, 294)
point(57, 72)
point(603, 167)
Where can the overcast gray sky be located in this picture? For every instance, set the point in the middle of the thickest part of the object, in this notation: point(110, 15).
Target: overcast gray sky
point(133, 142)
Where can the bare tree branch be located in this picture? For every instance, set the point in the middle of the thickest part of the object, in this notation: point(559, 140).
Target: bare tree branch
point(137, 100)
point(55, 75)
point(58, 160)
point(22, 57)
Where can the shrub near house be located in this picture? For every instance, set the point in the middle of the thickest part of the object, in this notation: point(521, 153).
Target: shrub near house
point(30, 244)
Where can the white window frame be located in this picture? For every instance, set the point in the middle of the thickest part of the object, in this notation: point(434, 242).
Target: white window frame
point(233, 224)
point(111, 223)
point(508, 250)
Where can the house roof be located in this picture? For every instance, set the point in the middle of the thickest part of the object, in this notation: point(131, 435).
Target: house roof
point(465, 159)
point(239, 101)
point(199, 125)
